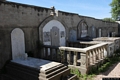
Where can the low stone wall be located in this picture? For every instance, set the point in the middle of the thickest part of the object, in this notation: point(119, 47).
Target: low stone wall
point(83, 55)
point(81, 58)
point(80, 44)
point(112, 41)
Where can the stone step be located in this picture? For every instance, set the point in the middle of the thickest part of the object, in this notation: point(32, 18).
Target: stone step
point(53, 72)
point(60, 74)
point(56, 76)
point(52, 69)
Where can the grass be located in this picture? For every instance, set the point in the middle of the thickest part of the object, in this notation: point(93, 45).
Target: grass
point(81, 77)
point(107, 63)
point(102, 68)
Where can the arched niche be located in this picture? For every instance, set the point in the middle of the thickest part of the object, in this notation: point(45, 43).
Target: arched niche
point(100, 32)
point(93, 32)
point(82, 29)
point(73, 35)
point(17, 43)
point(56, 22)
point(54, 33)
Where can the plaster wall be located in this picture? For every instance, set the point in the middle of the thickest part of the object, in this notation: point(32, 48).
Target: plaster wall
point(21, 15)
point(27, 18)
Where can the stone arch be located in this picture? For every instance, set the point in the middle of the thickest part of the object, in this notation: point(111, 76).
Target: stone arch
point(47, 25)
point(111, 32)
point(72, 35)
point(17, 43)
point(82, 29)
point(99, 32)
point(93, 31)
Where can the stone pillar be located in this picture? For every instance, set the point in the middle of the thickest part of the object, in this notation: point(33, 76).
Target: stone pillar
point(102, 52)
point(62, 56)
point(46, 53)
point(56, 54)
point(87, 60)
point(83, 60)
point(105, 51)
point(91, 58)
point(51, 54)
point(75, 58)
point(98, 53)
point(69, 57)
point(94, 57)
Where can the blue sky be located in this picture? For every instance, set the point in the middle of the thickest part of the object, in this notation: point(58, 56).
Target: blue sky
point(93, 8)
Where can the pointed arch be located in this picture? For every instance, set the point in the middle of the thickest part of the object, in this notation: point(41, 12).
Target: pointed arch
point(46, 26)
point(82, 29)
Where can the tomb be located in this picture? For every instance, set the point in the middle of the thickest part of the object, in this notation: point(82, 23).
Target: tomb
point(22, 67)
point(36, 69)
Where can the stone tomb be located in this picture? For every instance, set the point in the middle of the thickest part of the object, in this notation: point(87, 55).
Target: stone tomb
point(37, 69)
point(22, 67)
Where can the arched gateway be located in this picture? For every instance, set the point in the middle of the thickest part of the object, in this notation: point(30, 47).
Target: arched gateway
point(54, 33)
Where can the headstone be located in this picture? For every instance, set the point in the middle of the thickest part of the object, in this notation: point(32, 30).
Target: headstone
point(18, 44)
point(55, 36)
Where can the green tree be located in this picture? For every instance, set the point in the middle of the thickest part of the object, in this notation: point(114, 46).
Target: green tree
point(115, 10)
point(109, 19)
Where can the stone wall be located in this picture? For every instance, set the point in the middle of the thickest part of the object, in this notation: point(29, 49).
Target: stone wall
point(25, 17)
point(2, 0)
point(73, 20)
point(32, 19)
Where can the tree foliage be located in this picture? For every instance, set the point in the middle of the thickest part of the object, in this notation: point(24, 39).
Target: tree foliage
point(108, 19)
point(115, 10)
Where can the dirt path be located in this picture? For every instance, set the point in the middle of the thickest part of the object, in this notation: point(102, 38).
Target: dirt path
point(113, 71)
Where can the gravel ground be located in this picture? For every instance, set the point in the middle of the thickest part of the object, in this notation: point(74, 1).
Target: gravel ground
point(113, 71)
